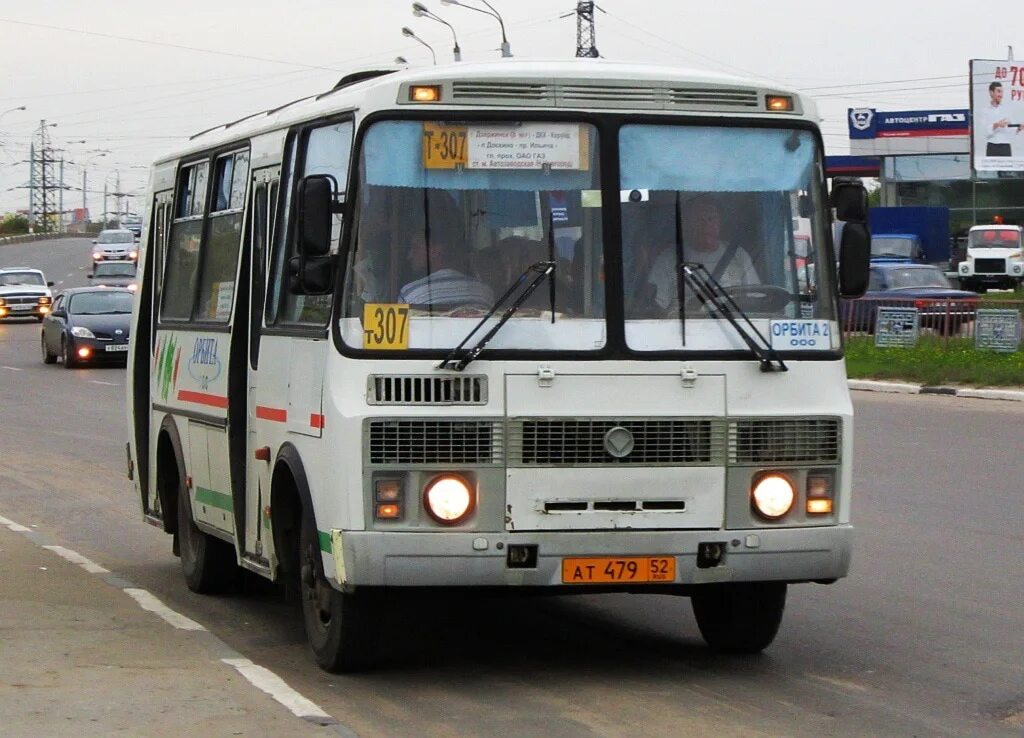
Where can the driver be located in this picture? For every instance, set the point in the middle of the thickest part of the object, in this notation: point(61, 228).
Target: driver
point(442, 282)
point(702, 244)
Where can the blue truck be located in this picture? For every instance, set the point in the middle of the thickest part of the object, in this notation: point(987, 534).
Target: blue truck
point(910, 234)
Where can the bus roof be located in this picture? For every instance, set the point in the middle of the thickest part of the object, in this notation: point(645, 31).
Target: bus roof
point(581, 84)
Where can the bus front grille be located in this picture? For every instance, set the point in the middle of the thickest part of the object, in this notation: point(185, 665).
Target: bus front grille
point(785, 441)
point(587, 442)
point(399, 389)
point(413, 442)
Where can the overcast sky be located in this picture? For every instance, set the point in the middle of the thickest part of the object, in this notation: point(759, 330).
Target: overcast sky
point(134, 77)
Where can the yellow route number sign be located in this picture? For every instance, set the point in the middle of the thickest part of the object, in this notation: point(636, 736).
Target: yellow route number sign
point(444, 147)
point(385, 326)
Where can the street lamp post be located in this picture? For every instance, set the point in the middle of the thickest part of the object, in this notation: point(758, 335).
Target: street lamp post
point(506, 50)
point(408, 33)
point(422, 11)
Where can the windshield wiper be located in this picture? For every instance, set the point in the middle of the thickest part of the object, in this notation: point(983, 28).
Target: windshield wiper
point(459, 360)
point(710, 290)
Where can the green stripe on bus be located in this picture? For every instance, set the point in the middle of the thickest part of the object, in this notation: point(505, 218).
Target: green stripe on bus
point(214, 499)
point(325, 542)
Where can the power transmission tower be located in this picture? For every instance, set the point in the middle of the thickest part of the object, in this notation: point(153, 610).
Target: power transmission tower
point(586, 40)
point(44, 188)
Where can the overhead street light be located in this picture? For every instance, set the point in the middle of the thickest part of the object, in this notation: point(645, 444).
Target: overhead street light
point(506, 50)
point(408, 33)
point(11, 110)
point(422, 11)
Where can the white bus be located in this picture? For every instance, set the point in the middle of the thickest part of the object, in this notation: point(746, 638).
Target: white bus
point(523, 325)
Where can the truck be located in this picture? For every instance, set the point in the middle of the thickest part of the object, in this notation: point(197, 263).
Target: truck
point(911, 234)
point(994, 258)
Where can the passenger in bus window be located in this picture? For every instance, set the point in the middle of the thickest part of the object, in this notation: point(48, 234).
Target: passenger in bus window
point(444, 281)
point(703, 244)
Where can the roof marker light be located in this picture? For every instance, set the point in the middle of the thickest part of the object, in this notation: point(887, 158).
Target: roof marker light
point(779, 103)
point(425, 93)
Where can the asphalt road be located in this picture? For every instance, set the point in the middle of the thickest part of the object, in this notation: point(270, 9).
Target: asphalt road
point(926, 637)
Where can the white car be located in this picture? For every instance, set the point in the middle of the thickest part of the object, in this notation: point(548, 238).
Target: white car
point(24, 293)
point(115, 244)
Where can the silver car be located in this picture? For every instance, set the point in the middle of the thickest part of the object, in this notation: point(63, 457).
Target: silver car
point(114, 245)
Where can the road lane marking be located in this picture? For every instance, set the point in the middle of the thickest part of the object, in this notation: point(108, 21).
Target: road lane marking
point(16, 527)
point(269, 682)
point(76, 558)
point(148, 601)
point(11, 368)
point(109, 384)
point(260, 677)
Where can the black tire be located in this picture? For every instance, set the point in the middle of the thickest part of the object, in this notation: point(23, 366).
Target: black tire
point(207, 563)
point(66, 357)
point(340, 627)
point(48, 358)
point(740, 618)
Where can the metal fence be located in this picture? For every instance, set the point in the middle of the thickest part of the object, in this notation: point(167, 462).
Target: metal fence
point(945, 318)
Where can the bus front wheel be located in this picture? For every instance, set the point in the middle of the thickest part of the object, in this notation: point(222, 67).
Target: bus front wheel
point(208, 563)
point(740, 618)
point(340, 626)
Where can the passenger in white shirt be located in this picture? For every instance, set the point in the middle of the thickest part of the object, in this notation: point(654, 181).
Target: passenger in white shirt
point(702, 222)
point(994, 123)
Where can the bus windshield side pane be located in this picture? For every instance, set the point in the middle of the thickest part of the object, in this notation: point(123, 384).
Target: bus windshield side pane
point(450, 215)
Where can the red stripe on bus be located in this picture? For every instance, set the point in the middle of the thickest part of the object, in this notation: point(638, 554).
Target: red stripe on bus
point(203, 398)
point(316, 421)
point(271, 413)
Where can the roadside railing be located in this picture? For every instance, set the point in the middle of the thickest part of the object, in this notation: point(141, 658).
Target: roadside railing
point(29, 237)
point(947, 318)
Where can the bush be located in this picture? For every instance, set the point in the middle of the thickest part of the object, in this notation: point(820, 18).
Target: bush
point(13, 225)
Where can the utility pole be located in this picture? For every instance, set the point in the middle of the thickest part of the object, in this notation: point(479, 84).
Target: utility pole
point(43, 181)
point(60, 216)
point(32, 187)
point(586, 39)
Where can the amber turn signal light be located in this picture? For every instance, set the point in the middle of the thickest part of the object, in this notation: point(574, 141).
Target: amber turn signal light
point(388, 511)
point(779, 103)
point(819, 506)
point(425, 93)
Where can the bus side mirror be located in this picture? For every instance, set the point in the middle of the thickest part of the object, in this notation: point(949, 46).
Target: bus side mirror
point(854, 258)
point(313, 267)
point(850, 200)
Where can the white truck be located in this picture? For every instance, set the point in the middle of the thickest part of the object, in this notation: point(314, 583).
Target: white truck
point(994, 258)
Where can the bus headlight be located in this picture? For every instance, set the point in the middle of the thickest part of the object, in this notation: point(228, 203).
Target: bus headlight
point(448, 499)
point(773, 496)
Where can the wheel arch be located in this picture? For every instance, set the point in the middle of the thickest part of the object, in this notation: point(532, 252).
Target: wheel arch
point(289, 495)
point(169, 458)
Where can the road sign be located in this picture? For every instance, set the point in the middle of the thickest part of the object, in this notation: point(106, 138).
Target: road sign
point(897, 327)
point(997, 330)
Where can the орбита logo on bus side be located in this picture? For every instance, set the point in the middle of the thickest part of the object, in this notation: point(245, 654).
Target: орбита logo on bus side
point(204, 366)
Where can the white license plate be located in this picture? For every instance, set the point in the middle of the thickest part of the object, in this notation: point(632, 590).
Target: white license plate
point(22, 307)
point(119, 347)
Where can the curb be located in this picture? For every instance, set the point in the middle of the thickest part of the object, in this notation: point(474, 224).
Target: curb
point(901, 388)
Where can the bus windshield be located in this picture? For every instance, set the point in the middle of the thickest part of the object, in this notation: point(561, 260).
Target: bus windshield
point(451, 214)
point(745, 204)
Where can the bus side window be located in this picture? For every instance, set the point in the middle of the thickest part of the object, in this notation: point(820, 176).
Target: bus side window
point(259, 221)
point(323, 150)
point(223, 238)
point(181, 268)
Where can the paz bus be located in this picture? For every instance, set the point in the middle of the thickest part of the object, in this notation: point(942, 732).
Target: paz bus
point(519, 325)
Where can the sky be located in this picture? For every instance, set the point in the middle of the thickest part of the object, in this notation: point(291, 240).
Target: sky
point(124, 81)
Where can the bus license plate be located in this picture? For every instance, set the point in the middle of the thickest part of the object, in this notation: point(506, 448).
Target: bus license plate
point(619, 570)
point(118, 347)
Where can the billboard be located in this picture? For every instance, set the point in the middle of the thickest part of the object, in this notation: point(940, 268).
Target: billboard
point(869, 123)
point(997, 116)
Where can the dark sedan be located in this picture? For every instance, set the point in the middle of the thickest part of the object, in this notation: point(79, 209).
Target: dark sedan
point(88, 326)
point(920, 286)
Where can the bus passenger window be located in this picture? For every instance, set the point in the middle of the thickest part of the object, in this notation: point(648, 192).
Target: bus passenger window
point(223, 238)
point(182, 263)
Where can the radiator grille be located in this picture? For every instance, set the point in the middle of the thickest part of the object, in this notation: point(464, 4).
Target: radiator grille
point(413, 442)
point(813, 441)
point(581, 442)
point(508, 91)
point(397, 389)
point(21, 299)
point(689, 97)
point(990, 266)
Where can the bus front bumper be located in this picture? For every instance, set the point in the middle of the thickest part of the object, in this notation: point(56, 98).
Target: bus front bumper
point(406, 559)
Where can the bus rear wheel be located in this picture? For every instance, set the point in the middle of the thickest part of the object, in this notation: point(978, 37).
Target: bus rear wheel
point(207, 563)
point(740, 618)
point(340, 626)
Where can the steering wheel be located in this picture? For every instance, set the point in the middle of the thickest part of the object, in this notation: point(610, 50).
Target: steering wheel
point(767, 299)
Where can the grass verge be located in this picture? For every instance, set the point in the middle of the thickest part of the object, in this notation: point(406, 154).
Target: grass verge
point(935, 361)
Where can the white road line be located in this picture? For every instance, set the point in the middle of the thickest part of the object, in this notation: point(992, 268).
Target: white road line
point(269, 682)
point(11, 368)
point(147, 601)
point(76, 558)
point(109, 384)
point(16, 527)
point(70, 274)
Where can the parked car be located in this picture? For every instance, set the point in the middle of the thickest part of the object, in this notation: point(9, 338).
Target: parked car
point(88, 325)
point(116, 244)
point(24, 293)
point(920, 286)
point(114, 274)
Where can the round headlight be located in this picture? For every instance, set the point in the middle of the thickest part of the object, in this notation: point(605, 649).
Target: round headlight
point(964, 269)
point(773, 496)
point(448, 499)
